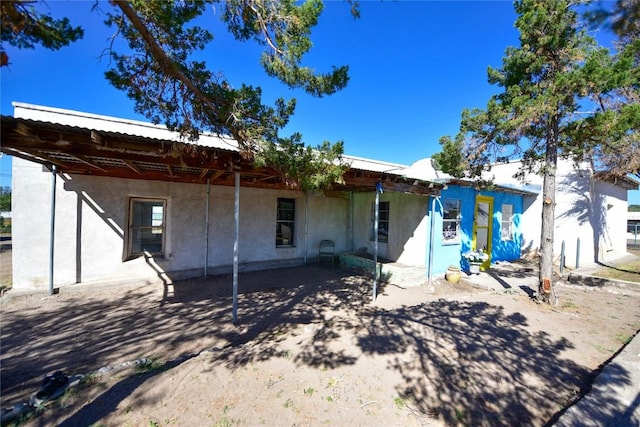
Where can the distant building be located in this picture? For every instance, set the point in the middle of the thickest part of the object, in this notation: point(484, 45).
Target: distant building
point(633, 230)
point(5, 218)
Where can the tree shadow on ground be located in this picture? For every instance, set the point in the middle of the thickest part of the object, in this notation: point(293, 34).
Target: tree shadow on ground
point(79, 332)
point(473, 363)
point(107, 402)
point(513, 270)
point(470, 362)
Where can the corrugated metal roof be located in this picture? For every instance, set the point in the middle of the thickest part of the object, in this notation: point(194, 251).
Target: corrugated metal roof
point(114, 126)
point(61, 119)
point(88, 144)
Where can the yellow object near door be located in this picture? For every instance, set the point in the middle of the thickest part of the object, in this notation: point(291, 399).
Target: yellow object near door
point(483, 227)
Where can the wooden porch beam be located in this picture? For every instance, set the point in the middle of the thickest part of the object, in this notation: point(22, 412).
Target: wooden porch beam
point(86, 161)
point(132, 166)
point(204, 173)
point(24, 130)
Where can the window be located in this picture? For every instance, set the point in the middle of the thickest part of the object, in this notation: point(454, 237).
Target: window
point(383, 221)
point(451, 221)
point(146, 226)
point(285, 222)
point(506, 224)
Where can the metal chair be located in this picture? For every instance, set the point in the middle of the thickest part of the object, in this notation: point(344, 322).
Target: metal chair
point(327, 249)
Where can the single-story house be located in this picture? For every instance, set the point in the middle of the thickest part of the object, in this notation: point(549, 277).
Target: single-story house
point(125, 205)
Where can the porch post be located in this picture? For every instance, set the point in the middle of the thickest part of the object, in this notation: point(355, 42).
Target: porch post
point(206, 230)
point(52, 227)
point(375, 237)
point(306, 226)
point(236, 217)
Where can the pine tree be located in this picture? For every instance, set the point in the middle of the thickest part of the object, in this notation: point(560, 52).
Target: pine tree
point(546, 108)
point(168, 85)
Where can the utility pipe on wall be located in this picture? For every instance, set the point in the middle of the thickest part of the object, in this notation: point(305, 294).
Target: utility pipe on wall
point(52, 227)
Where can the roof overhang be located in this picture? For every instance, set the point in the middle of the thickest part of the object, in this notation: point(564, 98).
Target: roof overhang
point(525, 189)
point(86, 151)
point(626, 182)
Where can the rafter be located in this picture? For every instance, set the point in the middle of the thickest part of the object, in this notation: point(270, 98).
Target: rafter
point(132, 166)
point(82, 151)
point(86, 161)
point(23, 130)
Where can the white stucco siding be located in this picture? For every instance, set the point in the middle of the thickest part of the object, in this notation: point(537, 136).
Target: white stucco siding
point(91, 227)
point(586, 208)
point(328, 219)
point(258, 213)
point(615, 225)
point(92, 217)
point(575, 203)
point(408, 228)
point(30, 224)
point(361, 210)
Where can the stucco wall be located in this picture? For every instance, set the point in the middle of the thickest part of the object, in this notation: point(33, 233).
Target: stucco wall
point(613, 242)
point(408, 227)
point(586, 209)
point(508, 249)
point(451, 253)
point(410, 223)
point(91, 228)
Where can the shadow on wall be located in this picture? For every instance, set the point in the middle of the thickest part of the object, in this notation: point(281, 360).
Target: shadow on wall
point(112, 210)
point(83, 199)
point(589, 207)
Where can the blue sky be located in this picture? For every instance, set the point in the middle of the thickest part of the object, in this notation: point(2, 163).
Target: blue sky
point(414, 66)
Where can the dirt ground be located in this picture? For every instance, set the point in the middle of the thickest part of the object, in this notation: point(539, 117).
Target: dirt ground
point(310, 348)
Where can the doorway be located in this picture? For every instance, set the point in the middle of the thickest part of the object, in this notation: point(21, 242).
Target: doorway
point(482, 228)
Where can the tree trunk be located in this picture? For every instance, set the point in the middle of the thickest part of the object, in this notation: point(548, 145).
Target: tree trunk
point(545, 286)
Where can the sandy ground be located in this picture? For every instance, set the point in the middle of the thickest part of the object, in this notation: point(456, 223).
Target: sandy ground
point(310, 348)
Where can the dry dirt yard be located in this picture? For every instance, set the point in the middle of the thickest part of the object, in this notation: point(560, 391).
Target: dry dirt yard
point(310, 348)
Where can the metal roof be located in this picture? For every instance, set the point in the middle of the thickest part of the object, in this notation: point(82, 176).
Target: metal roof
point(88, 144)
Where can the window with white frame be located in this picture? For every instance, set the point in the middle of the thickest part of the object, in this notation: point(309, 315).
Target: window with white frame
point(451, 221)
point(506, 223)
point(147, 219)
point(383, 221)
point(285, 222)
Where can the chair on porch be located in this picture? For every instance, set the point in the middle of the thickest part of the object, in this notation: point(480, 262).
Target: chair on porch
point(326, 250)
